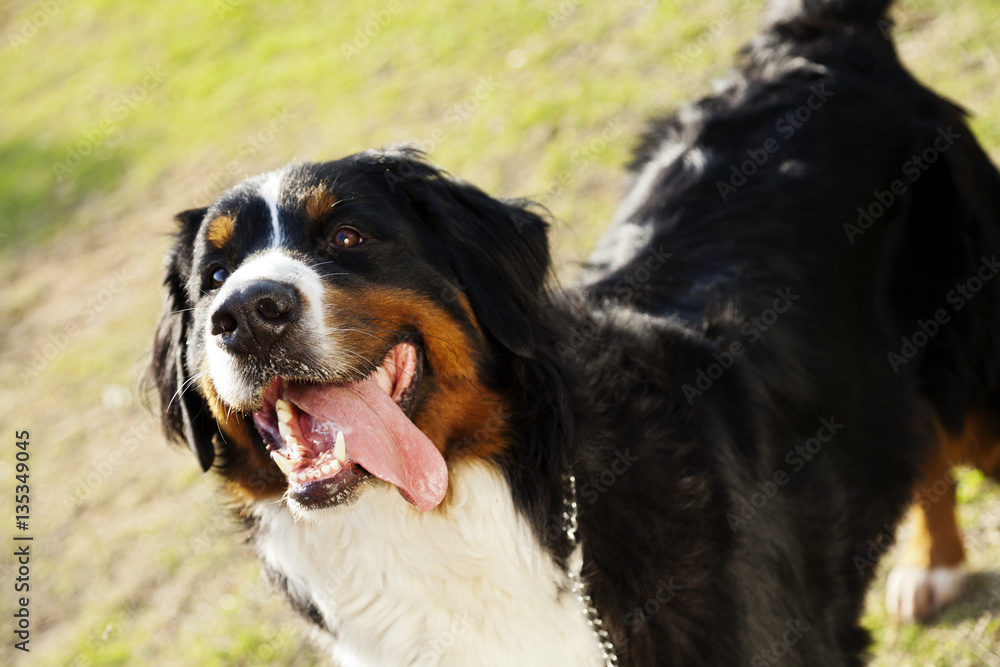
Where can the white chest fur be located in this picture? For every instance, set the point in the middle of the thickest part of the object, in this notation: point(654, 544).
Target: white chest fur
point(464, 584)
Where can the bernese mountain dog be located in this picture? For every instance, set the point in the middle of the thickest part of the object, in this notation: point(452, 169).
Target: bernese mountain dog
point(693, 456)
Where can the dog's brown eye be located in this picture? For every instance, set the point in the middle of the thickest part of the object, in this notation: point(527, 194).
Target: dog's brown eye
point(346, 238)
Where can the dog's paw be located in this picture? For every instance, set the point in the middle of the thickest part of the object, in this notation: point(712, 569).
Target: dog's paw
point(919, 594)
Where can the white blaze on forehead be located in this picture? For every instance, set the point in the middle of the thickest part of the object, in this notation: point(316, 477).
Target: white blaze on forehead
point(271, 264)
point(269, 190)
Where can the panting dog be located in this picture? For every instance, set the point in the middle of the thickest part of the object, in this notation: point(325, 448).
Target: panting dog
point(684, 459)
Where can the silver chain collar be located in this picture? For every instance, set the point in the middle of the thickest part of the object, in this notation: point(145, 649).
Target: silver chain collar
point(576, 585)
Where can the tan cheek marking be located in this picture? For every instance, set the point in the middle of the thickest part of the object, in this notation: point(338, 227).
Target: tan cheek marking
point(318, 203)
point(470, 421)
point(460, 415)
point(220, 231)
point(365, 322)
point(251, 474)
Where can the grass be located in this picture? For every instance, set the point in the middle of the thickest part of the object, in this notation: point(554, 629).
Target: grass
point(968, 633)
point(116, 116)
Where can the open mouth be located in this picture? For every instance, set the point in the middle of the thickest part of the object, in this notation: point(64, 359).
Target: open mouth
point(331, 439)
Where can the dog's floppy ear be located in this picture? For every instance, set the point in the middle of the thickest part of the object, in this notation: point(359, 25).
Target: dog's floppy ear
point(498, 249)
point(184, 413)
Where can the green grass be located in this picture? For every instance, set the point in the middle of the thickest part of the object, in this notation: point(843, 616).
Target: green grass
point(118, 115)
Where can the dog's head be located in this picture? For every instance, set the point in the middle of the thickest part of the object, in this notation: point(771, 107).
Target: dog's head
point(330, 325)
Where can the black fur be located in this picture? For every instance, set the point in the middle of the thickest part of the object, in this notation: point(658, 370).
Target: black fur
point(805, 555)
point(183, 412)
point(487, 241)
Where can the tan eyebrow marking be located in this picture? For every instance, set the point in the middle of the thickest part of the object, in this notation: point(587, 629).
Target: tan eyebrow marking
point(220, 231)
point(318, 203)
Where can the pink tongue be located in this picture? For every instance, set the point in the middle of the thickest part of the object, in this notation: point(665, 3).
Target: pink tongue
point(380, 438)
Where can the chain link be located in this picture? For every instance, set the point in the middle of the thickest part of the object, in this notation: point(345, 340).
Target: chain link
point(576, 585)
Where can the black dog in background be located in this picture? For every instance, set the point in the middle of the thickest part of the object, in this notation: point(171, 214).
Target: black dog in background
point(718, 396)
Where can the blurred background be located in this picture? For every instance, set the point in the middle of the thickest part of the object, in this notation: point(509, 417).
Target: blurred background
point(115, 116)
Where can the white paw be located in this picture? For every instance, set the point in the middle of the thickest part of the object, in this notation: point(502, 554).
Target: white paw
point(918, 594)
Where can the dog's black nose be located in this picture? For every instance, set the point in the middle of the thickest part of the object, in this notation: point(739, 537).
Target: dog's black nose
point(255, 317)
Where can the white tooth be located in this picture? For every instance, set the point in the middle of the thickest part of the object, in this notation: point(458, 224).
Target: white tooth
point(284, 409)
point(294, 445)
point(284, 463)
point(326, 469)
point(335, 465)
point(340, 448)
point(285, 415)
